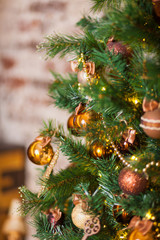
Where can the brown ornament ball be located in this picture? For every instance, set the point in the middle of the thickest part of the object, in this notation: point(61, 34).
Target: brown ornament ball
point(131, 182)
point(118, 47)
point(137, 235)
point(150, 122)
point(121, 215)
point(38, 154)
point(79, 216)
point(156, 7)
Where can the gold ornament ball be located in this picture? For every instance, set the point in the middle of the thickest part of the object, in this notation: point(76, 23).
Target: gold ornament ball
point(79, 216)
point(38, 154)
point(150, 122)
point(131, 182)
point(71, 126)
point(98, 150)
point(137, 235)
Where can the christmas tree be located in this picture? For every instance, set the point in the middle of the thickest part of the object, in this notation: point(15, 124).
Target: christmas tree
point(111, 188)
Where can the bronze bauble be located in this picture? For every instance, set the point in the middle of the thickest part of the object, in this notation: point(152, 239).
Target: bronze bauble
point(150, 122)
point(38, 154)
point(131, 182)
point(118, 47)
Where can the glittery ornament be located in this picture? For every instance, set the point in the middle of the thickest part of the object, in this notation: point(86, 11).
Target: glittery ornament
point(121, 215)
point(40, 154)
point(150, 122)
point(137, 235)
point(118, 47)
point(131, 182)
point(98, 150)
point(80, 216)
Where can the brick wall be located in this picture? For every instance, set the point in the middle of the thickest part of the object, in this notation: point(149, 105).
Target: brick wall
point(24, 74)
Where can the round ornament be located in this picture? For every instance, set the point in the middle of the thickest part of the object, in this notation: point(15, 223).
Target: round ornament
point(83, 77)
point(79, 216)
point(121, 215)
point(150, 122)
point(118, 47)
point(40, 154)
point(71, 126)
point(131, 182)
point(98, 150)
point(137, 235)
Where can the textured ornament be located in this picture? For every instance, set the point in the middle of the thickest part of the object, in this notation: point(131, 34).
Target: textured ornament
point(98, 150)
point(49, 170)
point(40, 153)
point(150, 121)
point(118, 47)
point(121, 215)
point(80, 216)
point(131, 182)
point(92, 227)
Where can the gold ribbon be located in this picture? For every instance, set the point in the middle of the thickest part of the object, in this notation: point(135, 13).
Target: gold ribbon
point(129, 135)
point(88, 66)
point(149, 105)
point(144, 226)
point(44, 140)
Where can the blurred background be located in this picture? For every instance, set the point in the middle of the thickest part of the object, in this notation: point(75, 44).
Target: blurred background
point(24, 79)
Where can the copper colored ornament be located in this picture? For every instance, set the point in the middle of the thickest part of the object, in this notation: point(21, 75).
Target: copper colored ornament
point(38, 154)
point(120, 214)
point(118, 47)
point(150, 121)
point(131, 182)
point(98, 150)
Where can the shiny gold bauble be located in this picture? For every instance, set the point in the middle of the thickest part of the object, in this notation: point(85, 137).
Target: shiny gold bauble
point(137, 235)
point(150, 122)
point(79, 216)
point(71, 126)
point(121, 215)
point(38, 154)
point(98, 150)
point(132, 182)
